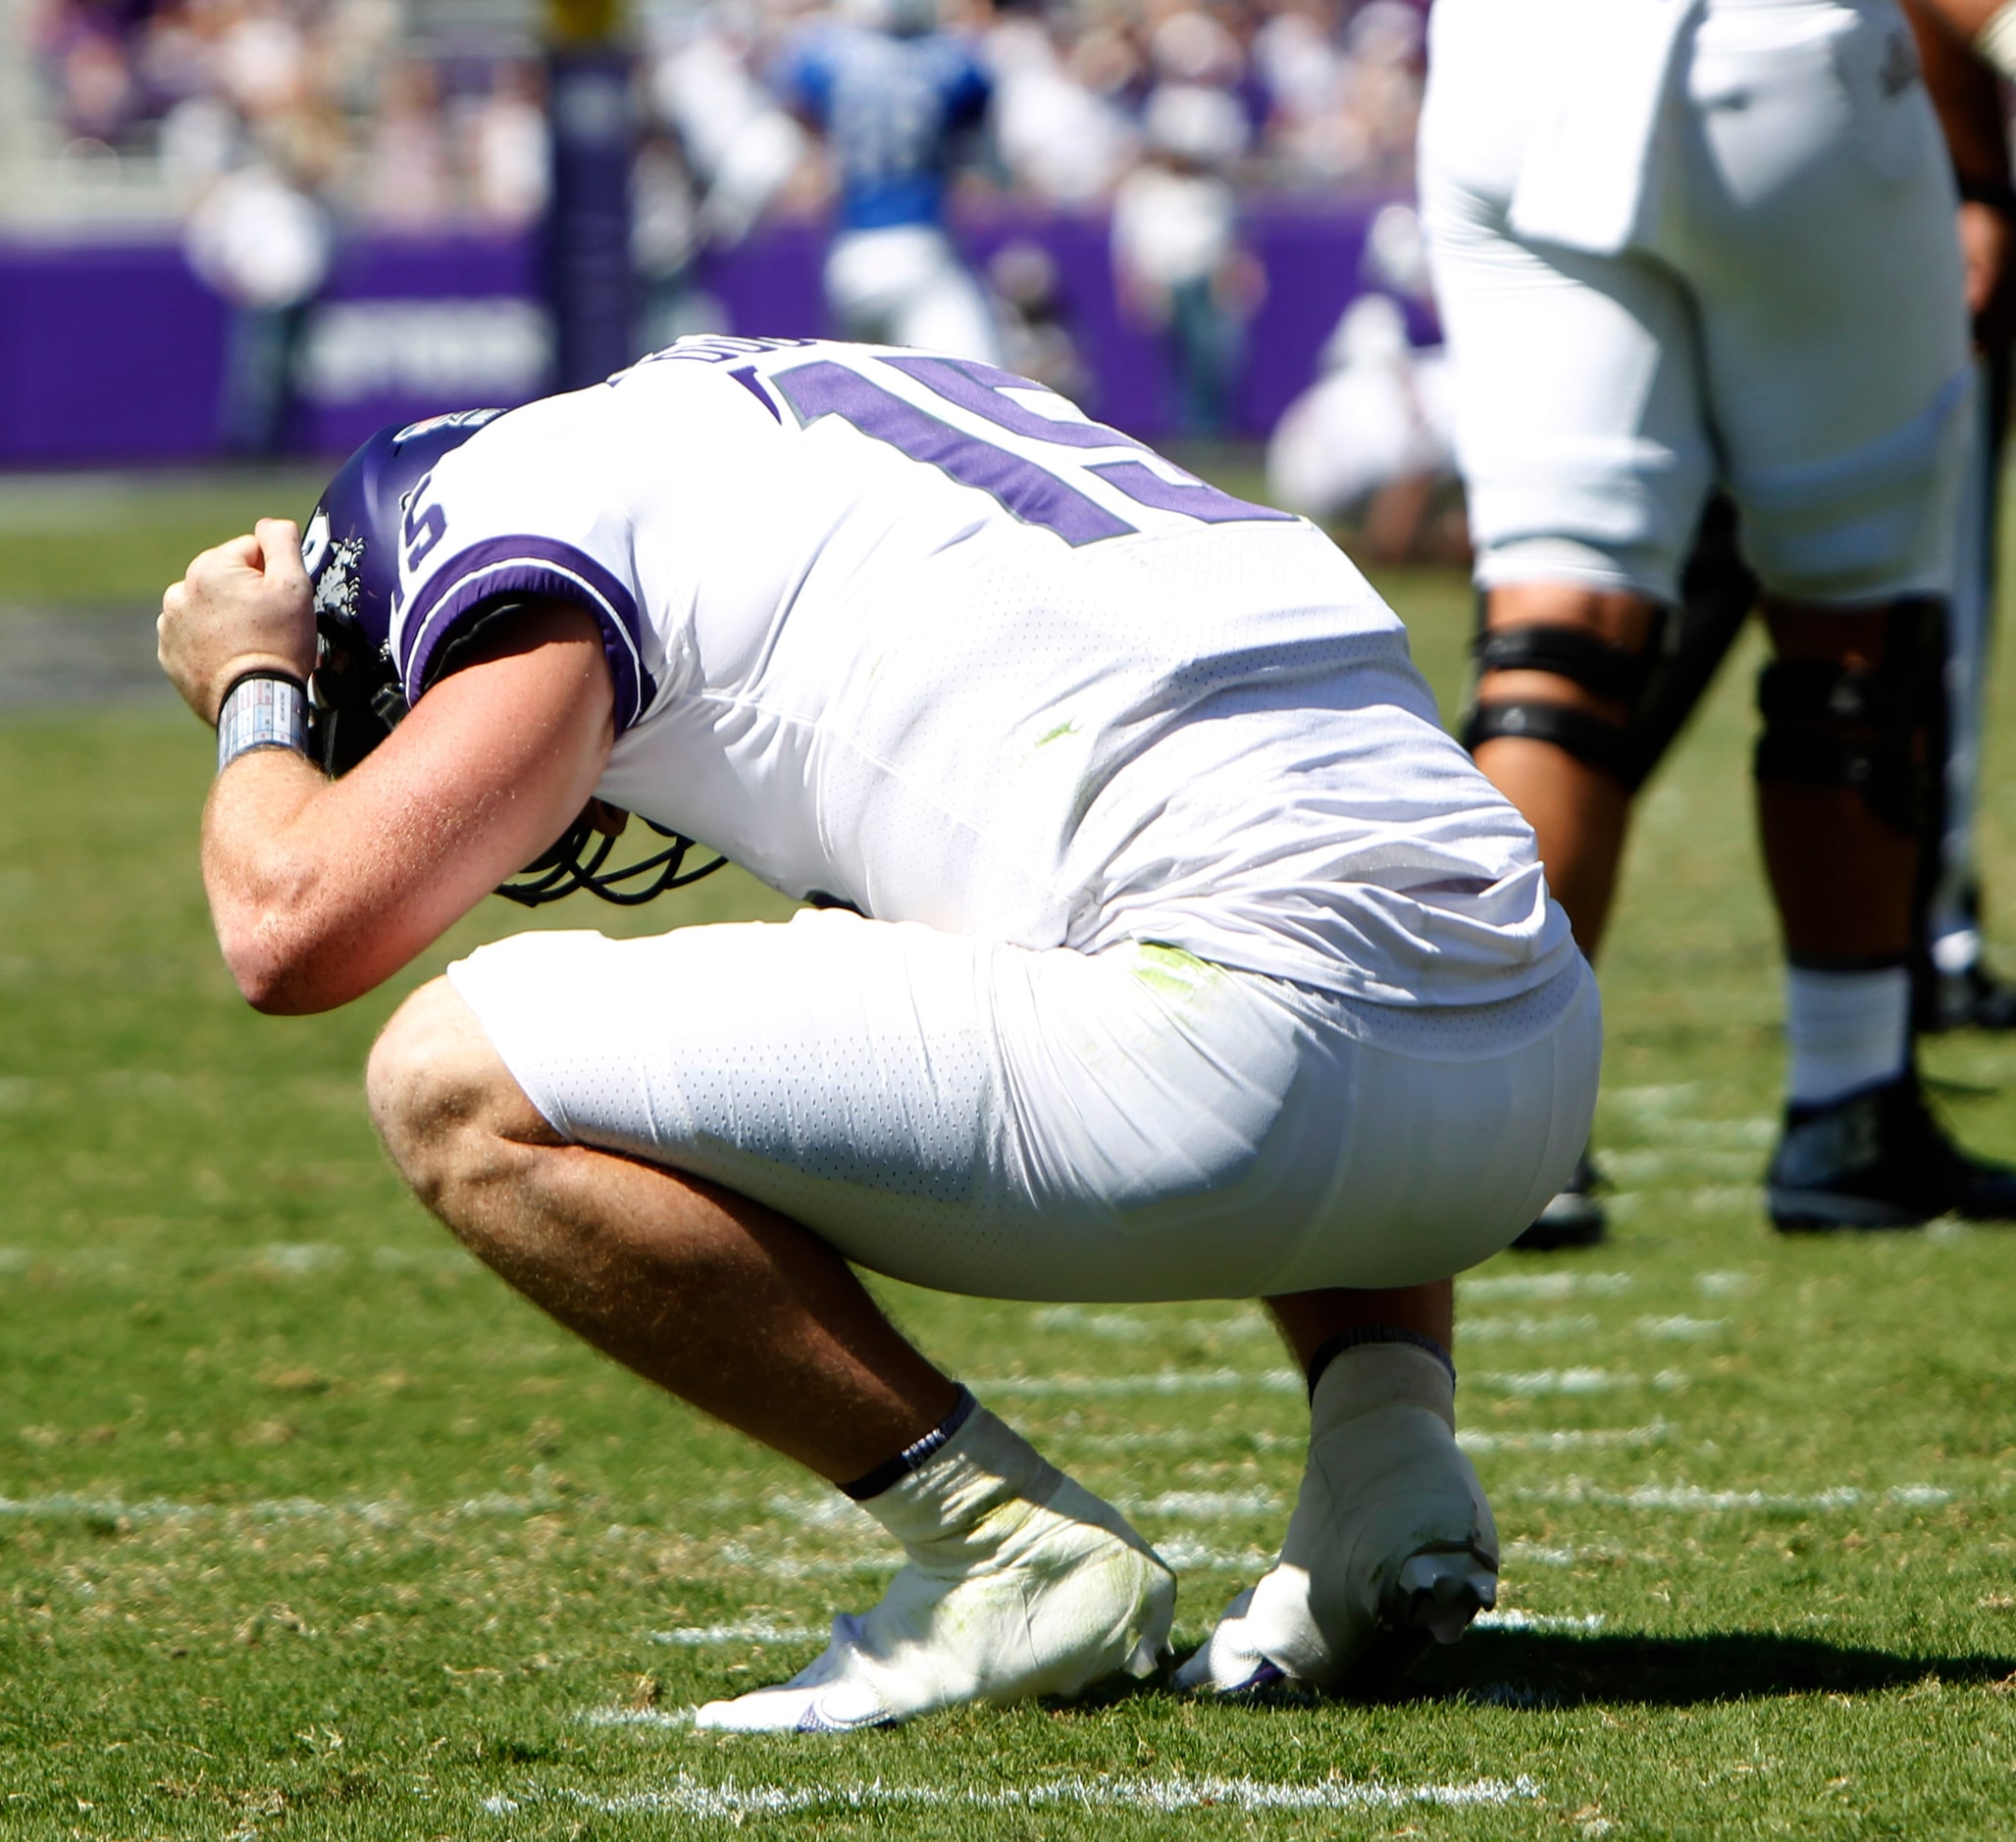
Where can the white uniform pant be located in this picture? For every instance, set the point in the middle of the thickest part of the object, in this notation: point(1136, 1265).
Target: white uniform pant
point(977, 1117)
point(905, 285)
point(1677, 241)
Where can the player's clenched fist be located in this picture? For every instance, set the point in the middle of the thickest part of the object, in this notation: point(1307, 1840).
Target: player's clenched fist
point(241, 607)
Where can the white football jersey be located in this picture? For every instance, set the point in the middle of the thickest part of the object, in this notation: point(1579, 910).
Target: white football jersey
point(913, 634)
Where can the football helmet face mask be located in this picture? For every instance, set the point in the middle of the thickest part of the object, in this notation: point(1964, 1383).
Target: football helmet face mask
point(350, 550)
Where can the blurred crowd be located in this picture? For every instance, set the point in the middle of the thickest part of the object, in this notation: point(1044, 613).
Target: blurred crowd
point(390, 125)
point(329, 95)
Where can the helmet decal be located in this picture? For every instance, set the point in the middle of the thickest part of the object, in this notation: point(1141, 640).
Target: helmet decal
point(336, 587)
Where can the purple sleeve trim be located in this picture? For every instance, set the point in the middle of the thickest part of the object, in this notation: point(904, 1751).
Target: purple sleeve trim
point(530, 566)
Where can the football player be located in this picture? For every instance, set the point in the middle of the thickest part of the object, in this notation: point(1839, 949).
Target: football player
point(1161, 946)
point(1690, 245)
point(894, 99)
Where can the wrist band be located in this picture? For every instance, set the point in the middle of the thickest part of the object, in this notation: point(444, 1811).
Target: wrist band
point(1997, 194)
point(262, 710)
point(1996, 40)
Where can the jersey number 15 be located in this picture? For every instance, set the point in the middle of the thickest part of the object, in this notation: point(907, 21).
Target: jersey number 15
point(1037, 491)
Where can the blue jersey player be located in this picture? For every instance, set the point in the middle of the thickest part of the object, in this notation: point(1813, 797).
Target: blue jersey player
point(893, 99)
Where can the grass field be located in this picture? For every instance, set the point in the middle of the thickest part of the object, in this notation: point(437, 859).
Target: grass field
point(308, 1528)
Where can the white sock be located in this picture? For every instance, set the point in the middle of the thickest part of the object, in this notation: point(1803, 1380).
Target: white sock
point(1846, 1030)
point(949, 1501)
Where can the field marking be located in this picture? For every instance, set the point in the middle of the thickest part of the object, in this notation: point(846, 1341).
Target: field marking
point(1536, 1554)
point(1681, 1328)
point(390, 1513)
point(688, 1796)
point(744, 1632)
point(1194, 1556)
point(1556, 1381)
point(1543, 1286)
point(1693, 1497)
point(1527, 1328)
point(1514, 1618)
point(1566, 1439)
point(635, 1716)
point(1204, 1506)
point(1125, 1327)
point(1164, 1381)
point(1169, 1439)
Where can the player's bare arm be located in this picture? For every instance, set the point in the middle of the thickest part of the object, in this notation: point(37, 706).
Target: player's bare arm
point(1968, 97)
point(321, 889)
point(1990, 25)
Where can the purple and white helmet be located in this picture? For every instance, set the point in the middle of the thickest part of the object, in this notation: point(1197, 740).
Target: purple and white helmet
point(350, 550)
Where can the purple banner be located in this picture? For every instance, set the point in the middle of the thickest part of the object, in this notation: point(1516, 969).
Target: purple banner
point(115, 354)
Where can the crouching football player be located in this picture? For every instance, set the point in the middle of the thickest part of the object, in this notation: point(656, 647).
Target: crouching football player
point(1162, 947)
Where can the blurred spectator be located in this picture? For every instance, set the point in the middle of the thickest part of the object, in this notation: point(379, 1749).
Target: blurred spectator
point(407, 178)
point(260, 238)
point(1176, 254)
point(899, 102)
point(1371, 442)
point(1327, 92)
point(740, 150)
point(507, 154)
point(1060, 131)
point(1036, 338)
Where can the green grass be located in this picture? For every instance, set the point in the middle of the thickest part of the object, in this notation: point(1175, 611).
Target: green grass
point(313, 1530)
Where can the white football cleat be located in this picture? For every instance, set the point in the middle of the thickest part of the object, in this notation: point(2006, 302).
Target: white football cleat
point(1392, 1545)
point(1020, 1582)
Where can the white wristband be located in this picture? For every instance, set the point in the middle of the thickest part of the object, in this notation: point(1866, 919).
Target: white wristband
point(1996, 40)
point(262, 711)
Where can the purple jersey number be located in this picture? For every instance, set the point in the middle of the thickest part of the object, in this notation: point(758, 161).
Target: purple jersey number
point(1033, 492)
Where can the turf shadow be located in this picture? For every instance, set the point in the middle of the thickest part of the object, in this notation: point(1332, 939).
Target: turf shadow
point(1562, 1670)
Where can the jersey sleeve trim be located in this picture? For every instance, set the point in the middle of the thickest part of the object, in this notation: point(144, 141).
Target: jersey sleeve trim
point(531, 565)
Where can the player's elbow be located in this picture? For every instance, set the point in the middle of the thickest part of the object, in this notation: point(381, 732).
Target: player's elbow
point(280, 971)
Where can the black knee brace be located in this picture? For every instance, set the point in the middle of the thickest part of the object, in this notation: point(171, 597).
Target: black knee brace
point(1598, 666)
point(1659, 687)
point(1877, 730)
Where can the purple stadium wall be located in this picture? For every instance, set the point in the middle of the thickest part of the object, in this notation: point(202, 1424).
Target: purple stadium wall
point(113, 354)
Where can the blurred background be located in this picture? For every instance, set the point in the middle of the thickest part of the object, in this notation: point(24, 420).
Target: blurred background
point(260, 228)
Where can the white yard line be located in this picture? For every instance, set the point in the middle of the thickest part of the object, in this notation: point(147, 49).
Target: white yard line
point(1166, 1381)
point(1565, 1439)
point(1521, 1325)
point(635, 1717)
point(1169, 1439)
point(728, 1800)
point(1512, 1619)
point(746, 1631)
point(1542, 1286)
point(1692, 1496)
point(1204, 1506)
point(1553, 1381)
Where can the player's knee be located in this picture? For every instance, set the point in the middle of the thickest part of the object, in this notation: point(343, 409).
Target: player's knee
point(1568, 667)
point(1866, 720)
point(434, 1084)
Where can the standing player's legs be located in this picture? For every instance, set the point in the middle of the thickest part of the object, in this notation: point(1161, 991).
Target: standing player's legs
point(1955, 988)
point(1815, 226)
point(1586, 465)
